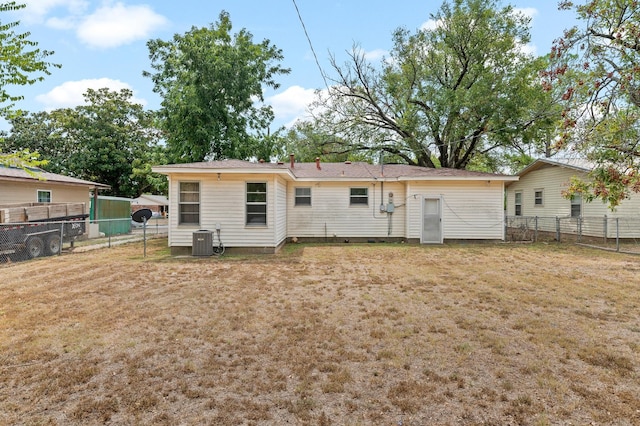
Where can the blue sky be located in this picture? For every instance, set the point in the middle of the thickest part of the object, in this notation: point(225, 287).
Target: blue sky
point(103, 43)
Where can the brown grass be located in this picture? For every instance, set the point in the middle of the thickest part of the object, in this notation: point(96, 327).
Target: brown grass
point(323, 335)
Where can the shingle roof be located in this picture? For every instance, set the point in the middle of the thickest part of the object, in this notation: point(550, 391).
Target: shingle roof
point(346, 170)
point(578, 164)
point(20, 174)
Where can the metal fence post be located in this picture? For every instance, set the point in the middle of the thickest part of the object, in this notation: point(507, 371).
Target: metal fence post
point(617, 234)
point(605, 230)
point(535, 230)
point(61, 238)
point(557, 229)
point(579, 228)
point(109, 230)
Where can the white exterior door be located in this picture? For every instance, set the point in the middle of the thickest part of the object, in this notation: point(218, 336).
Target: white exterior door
point(431, 221)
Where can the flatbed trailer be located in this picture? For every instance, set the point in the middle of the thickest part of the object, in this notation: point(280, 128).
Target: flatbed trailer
point(39, 229)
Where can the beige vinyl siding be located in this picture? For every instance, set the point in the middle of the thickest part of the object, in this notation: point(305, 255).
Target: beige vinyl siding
point(470, 209)
point(552, 180)
point(27, 192)
point(555, 179)
point(281, 210)
point(331, 214)
point(223, 201)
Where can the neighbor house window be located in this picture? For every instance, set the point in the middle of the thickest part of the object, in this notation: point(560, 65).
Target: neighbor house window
point(44, 196)
point(538, 198)
point(303, 196)
point(256, 203)
point(518, 203)
point(359, 196)
point(189, 203)
point(576, 205)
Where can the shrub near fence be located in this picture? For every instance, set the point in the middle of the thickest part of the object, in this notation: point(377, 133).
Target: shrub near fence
point(602, 231)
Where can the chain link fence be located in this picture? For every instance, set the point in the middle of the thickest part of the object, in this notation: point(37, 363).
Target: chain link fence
point(612, 233)
point(29, 240)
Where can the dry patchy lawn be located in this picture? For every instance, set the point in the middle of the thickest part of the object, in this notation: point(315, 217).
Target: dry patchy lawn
point(322, 335)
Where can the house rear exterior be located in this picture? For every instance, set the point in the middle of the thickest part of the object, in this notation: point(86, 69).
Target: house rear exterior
point(260, 206)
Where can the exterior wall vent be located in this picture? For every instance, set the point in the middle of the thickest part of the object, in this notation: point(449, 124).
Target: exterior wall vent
point(202, 243)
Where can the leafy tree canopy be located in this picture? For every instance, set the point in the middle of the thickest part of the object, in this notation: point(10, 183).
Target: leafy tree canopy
point(21, 64)
point(462, 88)
point(108, 140)
point(209, 80)
point(597, 66)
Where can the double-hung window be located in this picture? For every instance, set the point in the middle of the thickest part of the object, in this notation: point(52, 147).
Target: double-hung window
point(189, 203)
point(256, 203)
point(303, 196)
point(576, 205)
point(518, 203)
point(44, 196)
point(538, 200)
point(359, 196)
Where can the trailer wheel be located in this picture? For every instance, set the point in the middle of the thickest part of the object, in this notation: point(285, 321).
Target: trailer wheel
point(35, 247)
point(53, 245)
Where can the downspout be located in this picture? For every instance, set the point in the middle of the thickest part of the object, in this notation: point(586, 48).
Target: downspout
point(95, 204)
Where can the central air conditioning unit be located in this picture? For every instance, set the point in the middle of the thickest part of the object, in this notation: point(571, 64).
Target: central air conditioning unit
point(202, 243)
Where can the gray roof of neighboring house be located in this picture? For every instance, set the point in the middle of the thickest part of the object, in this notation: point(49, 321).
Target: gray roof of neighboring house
point(579, 164)
point(151, 200)
point(20, 174)
point(346, 170)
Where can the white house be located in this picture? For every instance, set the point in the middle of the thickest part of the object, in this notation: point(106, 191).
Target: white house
point(259, 206)
point(539, 193)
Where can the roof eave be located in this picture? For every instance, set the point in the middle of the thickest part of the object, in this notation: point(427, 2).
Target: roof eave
point(242, 171)
point(53, 181)
point(460, 178)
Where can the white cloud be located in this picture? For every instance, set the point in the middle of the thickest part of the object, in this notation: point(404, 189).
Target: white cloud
point(37, 10)
point(70, 93)
point(375, 55)
point(118, 24)
point(67, 23)
point(431, 25)
point(292, 103)
point(529, 12)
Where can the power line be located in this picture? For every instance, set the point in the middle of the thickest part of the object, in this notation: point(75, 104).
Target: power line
point(310, 44)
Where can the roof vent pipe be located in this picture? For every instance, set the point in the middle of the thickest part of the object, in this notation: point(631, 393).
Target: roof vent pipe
point(292, 160)
point(318, 163)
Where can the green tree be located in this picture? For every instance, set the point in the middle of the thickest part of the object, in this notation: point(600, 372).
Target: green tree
point(308, 143)
point(21, 64)
point(597, 66)
point(463, 88)
point(209, 79)
point(109, 140)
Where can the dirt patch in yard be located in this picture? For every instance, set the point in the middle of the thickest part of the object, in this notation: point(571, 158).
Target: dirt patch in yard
point(323, 335)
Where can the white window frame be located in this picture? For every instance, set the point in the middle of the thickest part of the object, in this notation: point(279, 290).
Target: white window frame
point(356, 199)
point(184, 203)
point(249, 205)
point(536, 198)
point(43, 191)
point(516, 203)
point(302, 200)
point(576, 201)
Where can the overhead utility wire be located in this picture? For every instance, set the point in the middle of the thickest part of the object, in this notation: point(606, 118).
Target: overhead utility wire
point(311, 45)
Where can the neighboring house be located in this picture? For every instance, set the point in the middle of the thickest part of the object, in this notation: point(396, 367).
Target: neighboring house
point(539, 193)
point(158, 204)
point(18, 185)
point(260, 206)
